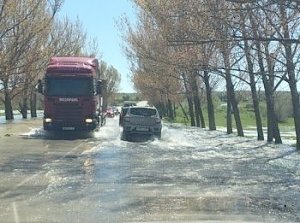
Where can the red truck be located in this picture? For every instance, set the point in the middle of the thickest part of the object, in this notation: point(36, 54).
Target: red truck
point(72, 94)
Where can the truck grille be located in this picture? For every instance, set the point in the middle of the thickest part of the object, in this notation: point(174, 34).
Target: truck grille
point(68, 113)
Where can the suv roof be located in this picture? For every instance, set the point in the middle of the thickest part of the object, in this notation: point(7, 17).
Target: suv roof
point(129, 103)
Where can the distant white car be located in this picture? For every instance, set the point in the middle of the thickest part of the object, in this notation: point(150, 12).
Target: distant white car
point(142, 120)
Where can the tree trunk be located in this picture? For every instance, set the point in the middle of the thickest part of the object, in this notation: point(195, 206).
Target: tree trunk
point(196, 98)
point(235, 109)
point(33, 104)
point(228, 116)
point(231, 95)
point(8, 106)
point(270, 130)
point(270, 81)
point(191, 110)
point(198, 103)
point(255, 101)
point(7, 103)
point(296, 110)
point(197, 111)
point(272, 120)
point(202, 121)
point(195, 101)
point(189, 99)
point(162, 108)
point(276, 131)
point(174, 110)
point(170, 110)
point(273, 129)
point(291, 73)
point(210, 105)
point(23, 107)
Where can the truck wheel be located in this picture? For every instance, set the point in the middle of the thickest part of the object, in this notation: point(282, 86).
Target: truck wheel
point(103, 121)
point(97, 127)
point(46, 127)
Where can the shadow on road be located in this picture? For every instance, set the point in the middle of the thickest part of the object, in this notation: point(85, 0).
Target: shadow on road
point(137, 137)
point(61, 135)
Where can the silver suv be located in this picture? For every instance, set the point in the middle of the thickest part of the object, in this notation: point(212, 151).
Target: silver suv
point(144, 120)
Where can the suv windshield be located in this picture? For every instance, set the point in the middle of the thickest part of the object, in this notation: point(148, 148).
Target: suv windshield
point(69, 87)
point(143, 111)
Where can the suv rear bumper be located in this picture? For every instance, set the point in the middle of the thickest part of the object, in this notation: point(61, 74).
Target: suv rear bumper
point(142, 129)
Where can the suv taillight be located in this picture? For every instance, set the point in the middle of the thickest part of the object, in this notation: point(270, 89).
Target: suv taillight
point(158, 120)
point(126, 119)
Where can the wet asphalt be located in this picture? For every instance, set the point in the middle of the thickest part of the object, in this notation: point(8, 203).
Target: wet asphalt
point(190, 175)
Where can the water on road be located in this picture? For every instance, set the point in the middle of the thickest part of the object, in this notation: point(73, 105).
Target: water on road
point(190, 175)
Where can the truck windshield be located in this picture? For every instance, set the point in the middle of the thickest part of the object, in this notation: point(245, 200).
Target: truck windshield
point(69, 87)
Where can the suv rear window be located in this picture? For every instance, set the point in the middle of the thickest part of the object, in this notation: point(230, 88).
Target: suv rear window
point(143, 111)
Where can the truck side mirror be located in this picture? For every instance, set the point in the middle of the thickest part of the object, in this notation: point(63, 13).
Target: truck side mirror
point(99, 87)
point(40, 87)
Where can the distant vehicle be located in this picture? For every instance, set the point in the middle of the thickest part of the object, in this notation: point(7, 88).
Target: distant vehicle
point(110, 112)
point(115, 110)
point(124, 110)
point(143, 120)
point(122, 115)
point(72, 94)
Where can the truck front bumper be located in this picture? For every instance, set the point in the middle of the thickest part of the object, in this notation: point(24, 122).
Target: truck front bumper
point(147, 130)
point(52, 125)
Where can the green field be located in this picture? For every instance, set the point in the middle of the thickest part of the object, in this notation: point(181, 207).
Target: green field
point(247, 117)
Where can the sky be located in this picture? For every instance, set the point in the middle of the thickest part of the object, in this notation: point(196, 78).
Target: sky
point(98, 18)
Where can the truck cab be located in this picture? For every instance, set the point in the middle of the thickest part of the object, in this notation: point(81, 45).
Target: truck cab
point(72, 94)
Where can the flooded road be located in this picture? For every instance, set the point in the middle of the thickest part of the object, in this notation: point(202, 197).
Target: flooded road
point(190, 175)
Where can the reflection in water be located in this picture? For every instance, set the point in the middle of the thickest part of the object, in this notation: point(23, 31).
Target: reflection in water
point(40, 133)
point(88, 169)
point(18, 117)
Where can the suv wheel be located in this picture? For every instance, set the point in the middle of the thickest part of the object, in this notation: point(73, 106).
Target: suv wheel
point(158, 135)
point(125, 135)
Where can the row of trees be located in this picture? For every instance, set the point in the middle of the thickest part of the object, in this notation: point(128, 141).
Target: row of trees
point(30, 33)
point(179, 48)
point(113, 79)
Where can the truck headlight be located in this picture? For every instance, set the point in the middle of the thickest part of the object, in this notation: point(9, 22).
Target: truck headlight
point(48, 120)
point(88, 120)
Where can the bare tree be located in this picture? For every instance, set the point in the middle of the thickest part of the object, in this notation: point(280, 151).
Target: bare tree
point(252, 82)
point(154, 73)
point(287, 21)
point(20, 28)
point(112, 77)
